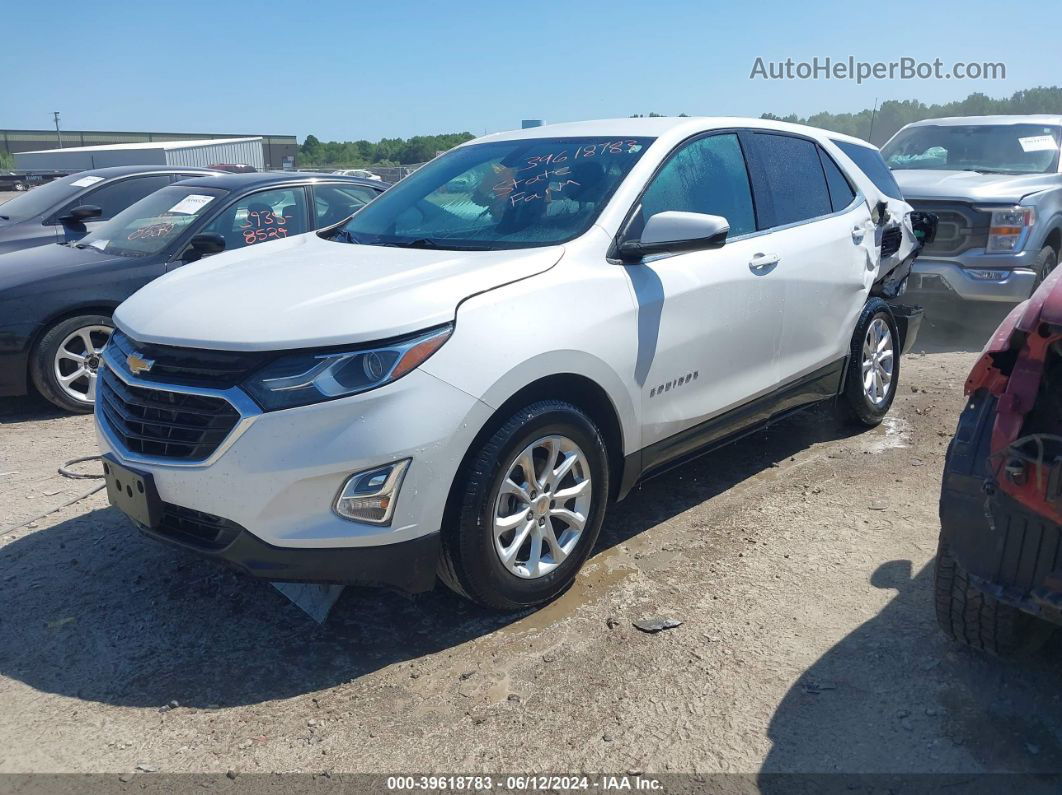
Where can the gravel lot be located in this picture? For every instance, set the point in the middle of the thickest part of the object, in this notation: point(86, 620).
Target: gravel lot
point(799, 561)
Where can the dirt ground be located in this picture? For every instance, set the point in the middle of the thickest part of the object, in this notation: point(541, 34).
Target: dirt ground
point(799, 561)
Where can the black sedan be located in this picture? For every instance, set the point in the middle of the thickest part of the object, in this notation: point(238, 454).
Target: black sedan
point(66, 209)
point(56, 301)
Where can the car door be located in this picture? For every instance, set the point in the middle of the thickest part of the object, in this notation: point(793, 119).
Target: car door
point(821, 239)
point(709, 322)
point(258, 217)
point(111, 198)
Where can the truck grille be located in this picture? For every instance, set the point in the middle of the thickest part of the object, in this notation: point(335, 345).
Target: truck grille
point(960, 227)
point(158, 422)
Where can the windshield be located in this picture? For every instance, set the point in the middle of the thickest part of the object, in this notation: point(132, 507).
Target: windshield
point(43, 198)
point(154, 222)
point(988, 148)
point(508, 194)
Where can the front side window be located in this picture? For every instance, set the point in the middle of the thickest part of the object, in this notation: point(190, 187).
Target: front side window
point(708, 176)
point(261, 217)
point(499, 195)
point(116, 196)
point(789, 180)
point(153, 223)
point(987, 148)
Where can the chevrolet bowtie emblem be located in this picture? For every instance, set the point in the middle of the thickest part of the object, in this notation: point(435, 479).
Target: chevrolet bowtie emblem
point(137, 364)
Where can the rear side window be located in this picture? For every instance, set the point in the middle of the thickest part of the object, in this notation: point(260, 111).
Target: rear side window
point(841, 193)
point(788, 180)
point(871, 163)
point(707, 175)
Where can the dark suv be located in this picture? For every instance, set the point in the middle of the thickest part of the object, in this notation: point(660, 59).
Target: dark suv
point(66, 209)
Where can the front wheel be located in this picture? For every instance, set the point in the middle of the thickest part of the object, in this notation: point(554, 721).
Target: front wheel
point(873, 367)
point(531, 502)
point(66, 361)
point(1045, 262)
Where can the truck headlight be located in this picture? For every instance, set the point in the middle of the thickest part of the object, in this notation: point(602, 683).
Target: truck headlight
point(304, 378)
point(1009, 228)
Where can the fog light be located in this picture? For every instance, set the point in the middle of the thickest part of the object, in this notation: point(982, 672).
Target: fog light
point(988, 276)
point(370, 496)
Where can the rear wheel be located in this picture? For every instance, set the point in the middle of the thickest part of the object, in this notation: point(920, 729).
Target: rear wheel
point(65, 363)
point(979, 620)
point(532, 499)
point(873, 367)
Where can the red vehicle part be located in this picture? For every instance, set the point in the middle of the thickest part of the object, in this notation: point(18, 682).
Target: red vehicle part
point(1021, 345)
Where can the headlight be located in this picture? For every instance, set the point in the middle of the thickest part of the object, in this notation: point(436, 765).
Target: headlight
point(1009, 228)
point(304, 378)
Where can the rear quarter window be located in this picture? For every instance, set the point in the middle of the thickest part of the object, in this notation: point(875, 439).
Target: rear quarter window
point(872, 164)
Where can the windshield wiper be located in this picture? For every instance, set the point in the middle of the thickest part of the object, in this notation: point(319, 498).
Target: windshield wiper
point(344, 236)
point(427, 242)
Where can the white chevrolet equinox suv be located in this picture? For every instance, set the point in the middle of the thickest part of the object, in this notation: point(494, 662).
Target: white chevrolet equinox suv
point(458, 379)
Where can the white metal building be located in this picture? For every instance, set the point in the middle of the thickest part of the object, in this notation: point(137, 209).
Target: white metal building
point(203, 152)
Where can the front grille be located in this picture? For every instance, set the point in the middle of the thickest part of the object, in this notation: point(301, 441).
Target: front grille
point(189, 366)
point(196, 528)
point(959, 227)
point(158, 422)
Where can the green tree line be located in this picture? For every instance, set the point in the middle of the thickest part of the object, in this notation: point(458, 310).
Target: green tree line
point(877, 127)
point(385, 152)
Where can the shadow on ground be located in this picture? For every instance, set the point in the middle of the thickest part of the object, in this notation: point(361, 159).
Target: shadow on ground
point(91, 609)
point(896, 696)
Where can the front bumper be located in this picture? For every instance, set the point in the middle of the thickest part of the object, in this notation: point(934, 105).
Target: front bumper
point(275, 482)
point(948, 279)
point(1008, 551)
point(14, 358)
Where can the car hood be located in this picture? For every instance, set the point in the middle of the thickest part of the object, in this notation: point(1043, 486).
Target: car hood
point(307, 292)
point(971, 186)
point(31, 266)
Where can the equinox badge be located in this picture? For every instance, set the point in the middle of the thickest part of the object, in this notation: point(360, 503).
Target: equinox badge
point(137, 364)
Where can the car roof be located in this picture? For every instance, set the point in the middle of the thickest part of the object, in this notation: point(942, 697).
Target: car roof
point(973, 121)
point(227, 180)
point(672, 128)
point(122, 171)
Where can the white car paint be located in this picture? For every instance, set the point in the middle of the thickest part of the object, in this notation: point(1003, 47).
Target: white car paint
point(519, 315)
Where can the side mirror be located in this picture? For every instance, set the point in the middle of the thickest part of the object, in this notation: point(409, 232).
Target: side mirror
point(204, 245)
point(80, 214)
point(925, 226)
point(674, 231)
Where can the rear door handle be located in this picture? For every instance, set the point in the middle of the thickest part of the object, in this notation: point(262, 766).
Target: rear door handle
point(761, 261)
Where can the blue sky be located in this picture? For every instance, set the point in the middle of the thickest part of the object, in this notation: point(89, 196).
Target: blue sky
point(348, 70)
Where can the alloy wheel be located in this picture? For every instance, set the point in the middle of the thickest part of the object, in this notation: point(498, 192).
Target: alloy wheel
point(878, 361)
point(77, 362)
point(542, 506)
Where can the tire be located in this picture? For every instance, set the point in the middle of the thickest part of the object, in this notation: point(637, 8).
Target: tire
point(44, 361)
point(21, 186)
point(1045, 262)
point(855, 405)
point(979, 620)
point(471, 562)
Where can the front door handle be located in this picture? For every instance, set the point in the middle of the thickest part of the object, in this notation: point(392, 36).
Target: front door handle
point(759, 262)
point(857, 234)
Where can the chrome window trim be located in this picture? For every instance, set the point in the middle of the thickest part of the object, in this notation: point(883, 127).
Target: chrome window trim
point(234, 396)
